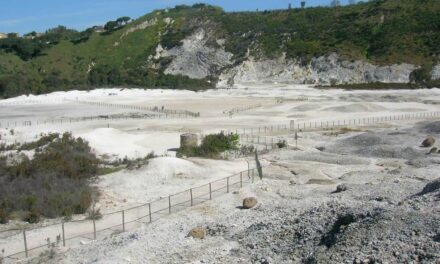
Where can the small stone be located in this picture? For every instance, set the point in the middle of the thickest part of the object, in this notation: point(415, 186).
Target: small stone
point(197, 232)
point(428, 142)
point(249, 202)
point(341, 188)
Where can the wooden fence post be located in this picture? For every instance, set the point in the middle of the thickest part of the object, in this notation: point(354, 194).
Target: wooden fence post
point(64, 234)
point(25, 243)
point(241, 179)
point(94, 228)
point(149, 212)
point(191, 194)
point(169, 204)
point(210, 191)
point(123, 221)
point(227, 185)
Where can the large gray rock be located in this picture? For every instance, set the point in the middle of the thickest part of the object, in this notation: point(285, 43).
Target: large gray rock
point(325, 70)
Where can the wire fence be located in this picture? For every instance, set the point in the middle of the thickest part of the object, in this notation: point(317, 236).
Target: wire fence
point(23, 243)
point(309, 126)
point(66, 121)
point(139, 108)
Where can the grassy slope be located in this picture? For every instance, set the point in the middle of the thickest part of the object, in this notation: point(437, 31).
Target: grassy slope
point(383, 32)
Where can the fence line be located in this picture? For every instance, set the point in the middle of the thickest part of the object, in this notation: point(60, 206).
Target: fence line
point(308, 126)
point(67, 233)
point(241, 109)
point(139, 108)
point(109, 118)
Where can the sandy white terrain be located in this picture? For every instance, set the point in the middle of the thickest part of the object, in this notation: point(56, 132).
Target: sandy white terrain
point(301, 179)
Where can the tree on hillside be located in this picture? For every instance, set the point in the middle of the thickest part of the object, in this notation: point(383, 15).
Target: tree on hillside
point(122, 21)
point(111, 25)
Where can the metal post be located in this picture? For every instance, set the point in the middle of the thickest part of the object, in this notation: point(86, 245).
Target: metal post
point(241, 179)
point(191, 194)
point(123, 221)
point(227, 185)
point(169, 204)
point(149, 212)
point(64, 235)
point(210, 191)
point(94, 228)
point(25, 244)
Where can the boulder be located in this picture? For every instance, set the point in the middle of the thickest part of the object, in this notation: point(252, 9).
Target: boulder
point(428, 142)
point(198, 233)
point(249, 202)
point(341, 188)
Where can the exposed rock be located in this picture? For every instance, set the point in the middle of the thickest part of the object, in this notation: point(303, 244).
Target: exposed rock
point(327, 70)
point(194, 58)
point(249, 202)
point(435, 75)
point(341, 188)
point(198, 233)
point(141, 26)
point(432, 186)
point(428, 142)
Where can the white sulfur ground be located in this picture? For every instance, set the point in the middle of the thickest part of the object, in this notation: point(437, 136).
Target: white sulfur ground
point(161, 177)
point(167, 175)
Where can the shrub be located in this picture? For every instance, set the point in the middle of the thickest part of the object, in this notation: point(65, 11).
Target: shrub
point(54, 183)
point(282, 144)
point(421, 76)
point(212, 146)
point(247, 149)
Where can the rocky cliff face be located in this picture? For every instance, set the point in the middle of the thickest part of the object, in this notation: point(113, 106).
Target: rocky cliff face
point(325, 70)
point(196, 59)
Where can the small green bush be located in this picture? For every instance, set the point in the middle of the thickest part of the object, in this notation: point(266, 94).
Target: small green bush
point(212, 146)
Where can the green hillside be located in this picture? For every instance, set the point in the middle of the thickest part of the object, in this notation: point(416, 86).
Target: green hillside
point(382, 32)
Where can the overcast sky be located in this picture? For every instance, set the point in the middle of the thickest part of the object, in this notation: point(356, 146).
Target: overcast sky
point(24, 16)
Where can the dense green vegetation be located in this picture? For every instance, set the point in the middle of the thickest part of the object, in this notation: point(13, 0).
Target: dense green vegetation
point(55, 182)
point(379, 31)
point(212, 146)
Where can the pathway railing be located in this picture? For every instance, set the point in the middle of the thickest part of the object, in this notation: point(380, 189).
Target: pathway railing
point(23, 243)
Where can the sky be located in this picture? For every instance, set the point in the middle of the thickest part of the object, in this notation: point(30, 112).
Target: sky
point(24, 16)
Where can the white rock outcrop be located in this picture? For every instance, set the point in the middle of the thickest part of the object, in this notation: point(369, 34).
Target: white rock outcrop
point(436, 72)
point(142, 26)
point(324, 70)
point(194, 58)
